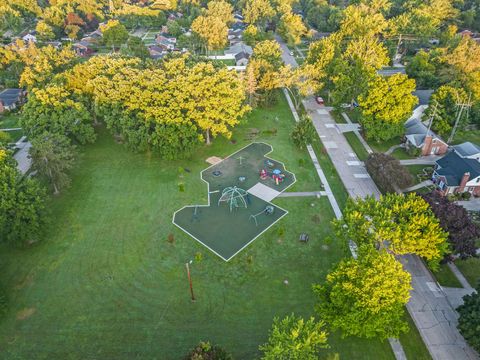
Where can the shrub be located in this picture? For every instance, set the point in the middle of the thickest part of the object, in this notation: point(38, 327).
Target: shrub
point(181, 187)
point(206, 351)
point(304, 133)
point(469, 321)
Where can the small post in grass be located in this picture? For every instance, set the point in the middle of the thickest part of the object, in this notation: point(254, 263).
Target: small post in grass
point(187, 265)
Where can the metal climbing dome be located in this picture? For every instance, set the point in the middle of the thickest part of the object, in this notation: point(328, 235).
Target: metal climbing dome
point(234, 196)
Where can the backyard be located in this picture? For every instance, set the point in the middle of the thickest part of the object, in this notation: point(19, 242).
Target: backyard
point(109, 281)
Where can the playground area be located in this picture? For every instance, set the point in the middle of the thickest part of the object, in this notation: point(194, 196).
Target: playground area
point(240, 190)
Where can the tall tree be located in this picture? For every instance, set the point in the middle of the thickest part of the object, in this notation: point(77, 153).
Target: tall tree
point(22, 205)
point(212, 30)
point(462, 231)
point(222, 10)
point(365, 297)
point(388, 173)
point(257, 12)
point(136, 48)
point(293, 338)
point(387, 105)
point(402, 224)
point(52, 157)
point(115, 34)
point(292, 28)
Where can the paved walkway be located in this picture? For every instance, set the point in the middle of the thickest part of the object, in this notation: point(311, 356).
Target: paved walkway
point(418, 186)
point(359, 136)
point(24, 162)
point(460, 277)
point(393, 148)
point(303, 194)
point(470, 205)
point(424, 160)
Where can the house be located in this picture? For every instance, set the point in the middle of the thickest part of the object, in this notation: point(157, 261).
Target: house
point(83, 48)
point(10, 99)
point(241, 59)
point(391, 71)
point(29, 37)
point(156, 52)
point(238, 48)
point(455, 174)
point(167, 43)
point(468, 150)
point(419, 136)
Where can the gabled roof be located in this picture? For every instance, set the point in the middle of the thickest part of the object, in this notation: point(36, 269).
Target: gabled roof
point(241, 55)
point(416, 131)
point(10, 96)
point(453, 167)
point(467, 149)
point(423, 96)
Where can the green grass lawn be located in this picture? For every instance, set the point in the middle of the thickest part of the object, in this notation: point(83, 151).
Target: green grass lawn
point(356, 145)
point(383, 146)
point(107, 284)
point(470, 268)
point(445, 277)
point(412, 342)
point(401, 154)
point(471, 135)
point(9, 121)
point(416, 170)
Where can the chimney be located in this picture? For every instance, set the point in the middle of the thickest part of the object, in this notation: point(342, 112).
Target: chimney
point(463, 182)
point(427, 145)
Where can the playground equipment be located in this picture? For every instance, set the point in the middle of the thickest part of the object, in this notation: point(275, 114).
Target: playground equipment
point(269, 209)
point(234, 196)
point(276, 175)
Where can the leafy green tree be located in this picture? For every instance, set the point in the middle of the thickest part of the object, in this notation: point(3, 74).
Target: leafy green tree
point(442, 108)
point(174, 28)
point(365, 297)
point(135, 47)
point(22, 205)
point(388, 173)
point(423, 70)
point(52, 157)
point(293, 338)
point(206, 351)
point(386, 106)
point(4, 138)
point(115, 34)
point(304, 133)
point(469, 320)
point(54, 110)
point(402, 224)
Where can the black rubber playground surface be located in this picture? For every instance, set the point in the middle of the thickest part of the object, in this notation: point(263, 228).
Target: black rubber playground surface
point(227, 232)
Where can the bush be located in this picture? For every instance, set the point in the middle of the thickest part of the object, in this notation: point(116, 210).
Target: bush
point(469, 320)
point(181, 187)
point(4, 138)
point(304, 133)
point(206, 351)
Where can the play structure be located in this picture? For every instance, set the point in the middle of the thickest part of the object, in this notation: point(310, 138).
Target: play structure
point(276, 175)
point(269, 209)
point(235, 197)
point(238, 209)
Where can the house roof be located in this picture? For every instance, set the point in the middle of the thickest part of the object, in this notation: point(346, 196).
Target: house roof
point(10, 96)
point(452, 166)
point(391, 71)
point(467, 149)
point(423, 96)
point(416, 131)
point(241, 55)
point(239, 47)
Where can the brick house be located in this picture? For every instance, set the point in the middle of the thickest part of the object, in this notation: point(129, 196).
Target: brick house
point(418, 135)
point(456, 174)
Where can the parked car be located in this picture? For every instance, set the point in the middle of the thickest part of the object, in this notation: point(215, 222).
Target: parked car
point(319, 100)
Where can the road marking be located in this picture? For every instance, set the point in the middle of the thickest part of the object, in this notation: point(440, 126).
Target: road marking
point(322, 112)
point(434, 289)
point(330, 145)
point(352, 154)
point(361, 176)
point(330, 126)
point(354, 163)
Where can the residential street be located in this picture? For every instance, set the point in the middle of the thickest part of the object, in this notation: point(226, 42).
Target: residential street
point(433, 315)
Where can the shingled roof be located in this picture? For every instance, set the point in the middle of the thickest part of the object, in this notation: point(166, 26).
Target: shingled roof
point(452, 166)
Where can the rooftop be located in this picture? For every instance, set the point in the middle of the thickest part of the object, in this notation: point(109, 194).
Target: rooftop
point(453, 167)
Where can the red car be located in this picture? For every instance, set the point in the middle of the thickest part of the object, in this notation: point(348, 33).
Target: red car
point(319, 100)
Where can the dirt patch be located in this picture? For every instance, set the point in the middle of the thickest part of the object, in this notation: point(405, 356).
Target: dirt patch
point(25, 313)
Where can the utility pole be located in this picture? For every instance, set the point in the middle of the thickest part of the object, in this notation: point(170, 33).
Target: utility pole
point(430, 121)
point(190, 280)
point(461, 107)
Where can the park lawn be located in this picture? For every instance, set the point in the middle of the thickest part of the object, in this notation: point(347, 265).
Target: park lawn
point(383, 146)
point(106, 283)
point(470, 268)
point(445, 277)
